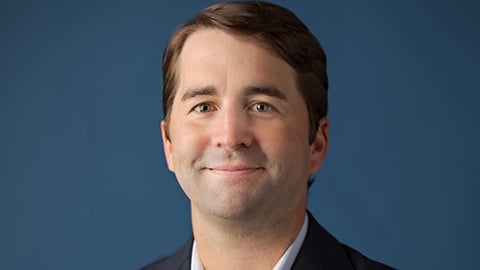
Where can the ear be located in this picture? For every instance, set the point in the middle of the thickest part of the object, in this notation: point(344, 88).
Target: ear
point(319, 145)
point(167, 146)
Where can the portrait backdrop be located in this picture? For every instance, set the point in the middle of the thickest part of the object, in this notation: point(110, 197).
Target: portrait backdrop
point(83, 180)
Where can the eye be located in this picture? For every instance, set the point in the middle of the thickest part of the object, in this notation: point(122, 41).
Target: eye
point(262, 107)
point(203, 108)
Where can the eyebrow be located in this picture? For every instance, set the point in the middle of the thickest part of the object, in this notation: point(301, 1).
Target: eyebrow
point(265, 90)
point(206, 91)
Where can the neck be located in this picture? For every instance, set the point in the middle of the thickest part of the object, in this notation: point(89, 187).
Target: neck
point(254, 243)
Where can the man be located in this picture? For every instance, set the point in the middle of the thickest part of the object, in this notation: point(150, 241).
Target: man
point(245, 102)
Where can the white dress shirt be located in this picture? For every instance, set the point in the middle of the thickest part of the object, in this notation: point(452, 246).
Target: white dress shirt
point(285, 262)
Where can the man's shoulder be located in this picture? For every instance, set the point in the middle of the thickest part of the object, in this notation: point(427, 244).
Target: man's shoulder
point(321, 249)
point(179, 260)
point(360, 261)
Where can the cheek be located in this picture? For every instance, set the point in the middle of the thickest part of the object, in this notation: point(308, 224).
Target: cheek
point(286, 142)
point(186, 144)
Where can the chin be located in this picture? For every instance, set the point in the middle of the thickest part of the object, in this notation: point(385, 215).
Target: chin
point(236, 211)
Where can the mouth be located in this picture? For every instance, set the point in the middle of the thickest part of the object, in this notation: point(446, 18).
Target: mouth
point(234, 171)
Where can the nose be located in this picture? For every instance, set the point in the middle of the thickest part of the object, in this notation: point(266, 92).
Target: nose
point(231, 130)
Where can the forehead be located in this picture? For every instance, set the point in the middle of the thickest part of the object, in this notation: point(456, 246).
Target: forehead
point(213, 54)
point(206, 37)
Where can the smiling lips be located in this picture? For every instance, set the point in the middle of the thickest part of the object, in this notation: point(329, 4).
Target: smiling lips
point(233, 171)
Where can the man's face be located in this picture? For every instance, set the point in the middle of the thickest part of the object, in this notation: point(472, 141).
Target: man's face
point(238, 129)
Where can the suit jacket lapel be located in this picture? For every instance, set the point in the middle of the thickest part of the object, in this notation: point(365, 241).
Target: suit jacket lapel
point(185, 255)
point(320, 250)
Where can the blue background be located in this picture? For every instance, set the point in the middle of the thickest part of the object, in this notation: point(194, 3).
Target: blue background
point(84, 184)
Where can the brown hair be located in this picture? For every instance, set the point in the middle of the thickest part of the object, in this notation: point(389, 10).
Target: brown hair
point(270, 24)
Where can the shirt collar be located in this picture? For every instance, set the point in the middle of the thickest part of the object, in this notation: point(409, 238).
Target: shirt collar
point(285, 262)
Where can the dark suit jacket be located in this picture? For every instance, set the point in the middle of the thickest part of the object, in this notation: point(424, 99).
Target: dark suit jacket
point(319, 251)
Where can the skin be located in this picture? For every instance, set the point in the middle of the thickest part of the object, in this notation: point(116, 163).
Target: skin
point(238, 145)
